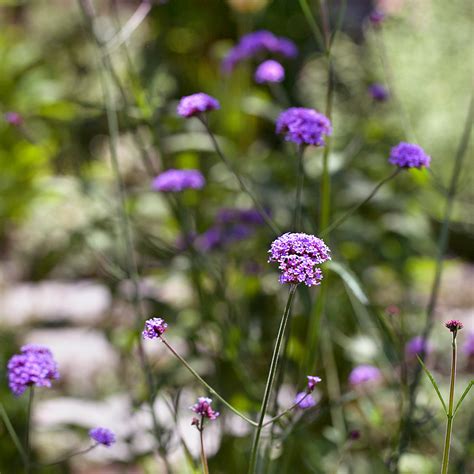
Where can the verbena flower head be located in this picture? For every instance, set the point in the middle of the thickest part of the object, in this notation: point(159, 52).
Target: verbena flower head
point(174, 181)
point(34, 366)
point(304, 400)
point(13, 118)
point(196, 104)
point(363, 374)
point(376, 17)
point(298, 255)
point(417, 345)
point(154, 328)
point(312, 381)
point(454, 325)
point(468, 347)
point(203, 408)
point(303, 126)
point(257, 43)
point(102, 436)
point(269, 71)
point(408, 155)
point(379, 92)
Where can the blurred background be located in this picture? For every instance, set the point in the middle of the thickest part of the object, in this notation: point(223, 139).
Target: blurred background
point(64, 277)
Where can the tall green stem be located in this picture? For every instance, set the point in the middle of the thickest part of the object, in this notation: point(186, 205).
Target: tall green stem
point(270, 379)
point(29, 412)
point(449, 425)
point(12, 433)
point(299, 189)
point(205, 467)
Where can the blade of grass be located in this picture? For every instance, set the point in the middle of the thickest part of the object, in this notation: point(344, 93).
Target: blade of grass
point(433, 382)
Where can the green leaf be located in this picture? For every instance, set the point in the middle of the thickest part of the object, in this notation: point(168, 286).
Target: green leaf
point(350, 279)
point(433, 382)
point(463, 396)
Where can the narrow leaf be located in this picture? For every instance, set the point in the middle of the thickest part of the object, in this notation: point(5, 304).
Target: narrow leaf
point(433, 382)
point(463, 396)
point(350, 279)
point(12, 433)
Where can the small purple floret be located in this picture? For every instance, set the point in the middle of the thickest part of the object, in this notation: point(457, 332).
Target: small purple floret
point(13, 118)
point(363, 374)
point(196, 104)
point(304, 400)
point(303, 126)
point(376, 17)
point(34, 366)
point(409, 155)
point(379, 92)
point(298, 255)
point(102, 436)
point(312, 381)
point(174, 181)
point(203, 408)
point(454, 325)
point(269, 71)
point(154, 328)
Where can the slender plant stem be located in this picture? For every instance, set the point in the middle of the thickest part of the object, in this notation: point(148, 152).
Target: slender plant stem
point(243, 185)
point(299, 189)
point(203, 382)
point(286, 412)
point(13, 435)
point(205, 466)
point(70, 455)
point(312, 23)
point(349, 213)
point(29, 413)
point(270, 379)
point(449, 425)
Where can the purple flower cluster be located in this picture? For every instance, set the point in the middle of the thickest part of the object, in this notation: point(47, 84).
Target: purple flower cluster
point(379, 92)
point(312, 381)
point(303, 126)
point(417, 345)
point(257, 43)
point(174, 181)
point(196, 104)
point(203, 408)
point(363, 374)
point(154, 328)
point(269, 71)
point(454, 325)
point(102, 436)
point(298, 255)
point(408, 155)
point(33, 366)
point(304, 400)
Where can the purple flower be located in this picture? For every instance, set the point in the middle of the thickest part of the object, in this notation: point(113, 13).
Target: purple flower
point(363, 374)
point(154, 328)
point(269, 71)
point(102, 436)
point(178, 180)
point(468, 346)
point(33, 366)
point(297, 255)
point(243, 216)
point(312, 381)
point(376, 17)
point(408, 155)
point(196, 104)
point(354, 435)
point(203, 408)
point(304, 400)
point(417, 345)
point(257, 43)
point(454, 325)
point(13, 118)
point(303, 126)
point(379, 92)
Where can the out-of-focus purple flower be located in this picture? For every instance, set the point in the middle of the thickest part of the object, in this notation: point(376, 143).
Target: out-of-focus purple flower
point(154, 328)
point(13, 118)
point(34, 366)
point(304, 400)
point(417, 345)
point(196, 104)
point(298, 255)
point(312, 381)
point(173, 181)
point(468, 346)
point(269, 71)
point(354, 435)
point(303, 126)
point(242, 216)
point(379, 92)
point(363, 374)
point(376, 17)
point(393, 310)
point(408, 155)
point(256, 43)
point(454, 325)
point(102, 436)
point(203, 408)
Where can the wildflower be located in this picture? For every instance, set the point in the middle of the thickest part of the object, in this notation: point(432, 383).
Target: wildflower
point(244, 216)
point(154, 328)
point(312, 381)
point(408, 155)
point(178, 180)
point(34, 366)
point(379, 92)
point(363, 374)
point(304, 400)
point(269, 71)
point(203, 408)
point(13, 118)
point(392, 310)
point(376, 17)
point(196, 104)
point(102, 436)
point(303, 126)
point(354, 435)
point(417, 345)
point(297, 255)
point(468, 346)
point(454, 325)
